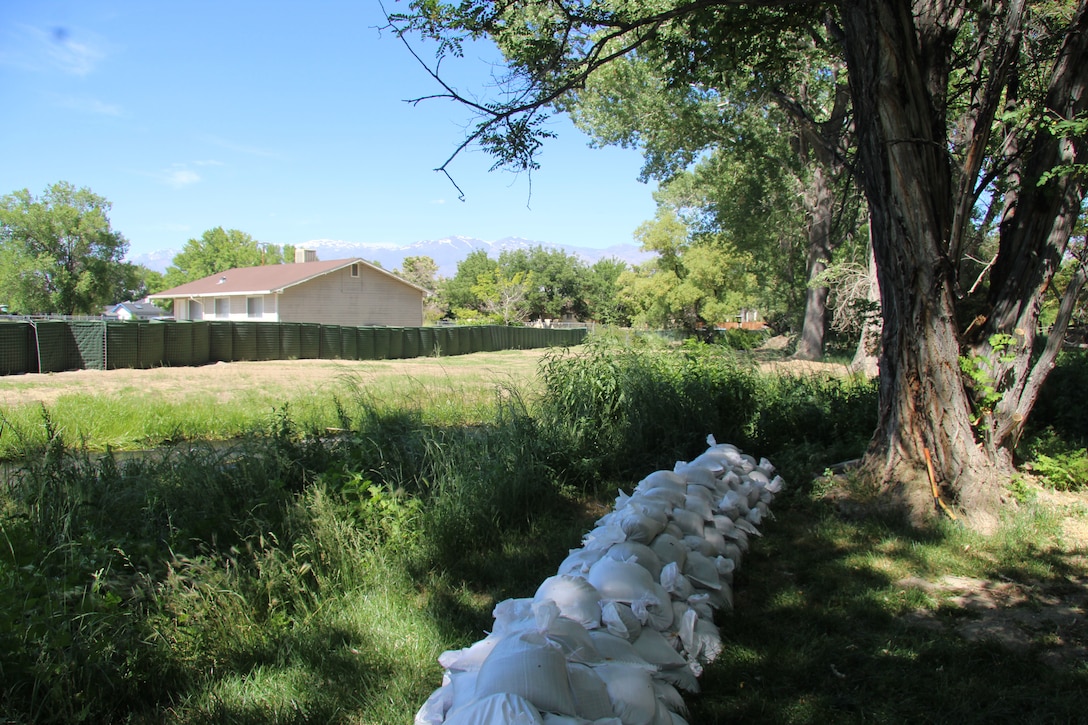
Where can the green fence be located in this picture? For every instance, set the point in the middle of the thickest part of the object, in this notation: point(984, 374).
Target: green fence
point(51, 346)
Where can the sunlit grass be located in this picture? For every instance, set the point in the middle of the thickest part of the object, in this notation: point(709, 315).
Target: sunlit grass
point(457, 390)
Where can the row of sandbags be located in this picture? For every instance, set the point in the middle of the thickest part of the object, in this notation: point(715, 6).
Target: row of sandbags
point(627, 623)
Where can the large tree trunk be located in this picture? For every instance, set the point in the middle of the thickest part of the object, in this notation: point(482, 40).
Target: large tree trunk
point(866, 357)
point(819, 201)
point(908, 183)
point(1035, 231)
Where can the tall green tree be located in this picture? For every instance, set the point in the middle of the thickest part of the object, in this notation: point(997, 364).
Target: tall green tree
point(421, 271)
point(58, 253)
point(784, 133)
point(559, 281)
point(506, 298)
point(693, 283)
point(948, 98)
point(218, 250)
point(457, 291)
point(602, 289)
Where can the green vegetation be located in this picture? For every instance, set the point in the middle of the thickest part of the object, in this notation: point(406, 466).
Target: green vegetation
point(58, 253)
point(307, 575)
point(197, 404)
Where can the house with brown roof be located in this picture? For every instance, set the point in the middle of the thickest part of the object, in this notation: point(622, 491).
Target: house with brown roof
point(338, 292)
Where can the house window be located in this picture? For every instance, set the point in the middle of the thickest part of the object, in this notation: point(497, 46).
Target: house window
point(196, 310)
point(254, 307)
point(222, 307)
point(355, 270)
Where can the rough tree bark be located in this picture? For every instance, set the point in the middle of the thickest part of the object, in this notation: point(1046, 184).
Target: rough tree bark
point(819, 204)
point(1034, 235)
point(908, 183)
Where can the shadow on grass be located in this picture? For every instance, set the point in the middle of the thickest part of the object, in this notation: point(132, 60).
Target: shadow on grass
point(826, 630)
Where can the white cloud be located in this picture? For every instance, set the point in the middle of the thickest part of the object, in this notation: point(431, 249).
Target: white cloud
point(178, 178)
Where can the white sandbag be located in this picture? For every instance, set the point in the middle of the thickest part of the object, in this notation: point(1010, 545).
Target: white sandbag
point(631, 691)
point(513, 615)
point(670, 696)
point(603, 536)
point(529, 666)
point(715, 542)
point(697, 475)
point(733, 504)
point(433, 711)
point(683, 678)
point(640, 526)
point(653, 648)
point(462, 688)
point(619, 620)
point(726, 567)
point(675, 583)
point(590, 694)
point(661, 479)
point(700, 544)
point(669, 548)
point(758, 478)
point(654, 610)
point(639, 553)
point(626, 582)
point(553, 719)
point(576, 598)
point(573, 640)
point(723, 524)
point(725, 595)
point(747, 526)
point(673, 530)
point(709, 640)
point(700, 506)
point(702, 571)
point(670, 495)
point(578, 561)
point(732, 551)
point(499, 709)
point(766, 466)
point(469, 658)
point(689, 523)
point(615, 650)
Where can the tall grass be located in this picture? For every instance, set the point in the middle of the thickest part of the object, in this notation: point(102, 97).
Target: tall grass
point(312, 570)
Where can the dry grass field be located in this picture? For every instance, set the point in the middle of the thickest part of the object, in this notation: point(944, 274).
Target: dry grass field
point(286, 379)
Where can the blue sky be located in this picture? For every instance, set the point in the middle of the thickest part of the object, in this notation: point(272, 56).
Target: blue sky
point(284, 120)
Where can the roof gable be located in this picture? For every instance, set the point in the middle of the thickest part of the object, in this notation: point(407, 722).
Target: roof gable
point(265, 279)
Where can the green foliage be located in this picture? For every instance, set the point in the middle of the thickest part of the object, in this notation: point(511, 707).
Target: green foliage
point(420, 271)
point(216, 251)
point(1061, 410)
point(58, 253)
point(987, 375)
point(295, 575)
point(1067, 471)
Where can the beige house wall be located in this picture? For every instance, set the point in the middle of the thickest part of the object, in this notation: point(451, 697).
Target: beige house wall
point(337, 298)
point(372, 298)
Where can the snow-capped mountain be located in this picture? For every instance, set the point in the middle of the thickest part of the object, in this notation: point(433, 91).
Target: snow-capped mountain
point(446, 252)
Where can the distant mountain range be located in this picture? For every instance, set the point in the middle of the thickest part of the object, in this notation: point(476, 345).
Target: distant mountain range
point(446, 252)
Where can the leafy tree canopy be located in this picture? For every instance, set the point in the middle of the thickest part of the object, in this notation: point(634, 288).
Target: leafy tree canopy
point(218, 250)
point(58, 253)
point(953, 103)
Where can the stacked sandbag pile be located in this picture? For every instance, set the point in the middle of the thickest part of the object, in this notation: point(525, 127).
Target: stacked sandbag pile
point(627, 623)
